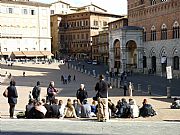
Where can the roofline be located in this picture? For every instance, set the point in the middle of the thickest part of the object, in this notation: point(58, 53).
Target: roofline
point(102, 13)
point(30, 3)
point(93, 5)
point(118, 20)
point(61, 2)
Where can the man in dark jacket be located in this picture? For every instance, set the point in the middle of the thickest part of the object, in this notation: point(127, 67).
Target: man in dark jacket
point(81, 93)
point(36, 92)
point(102, 89)
point(12, 97)
point(55, 109)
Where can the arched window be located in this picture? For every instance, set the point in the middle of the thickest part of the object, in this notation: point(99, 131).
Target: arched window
point(153, 2)
point(153, 33)
point(176, 30)
point(176, 62)
point(163, 32)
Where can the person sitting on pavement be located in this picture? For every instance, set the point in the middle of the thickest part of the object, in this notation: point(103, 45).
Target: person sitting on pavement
point(55, 109)
point(93, 108)
point(134, 109)
point(81, 93)
point(29, 106)
point(147, 110)
point(112, 108)
point(61, 108)
point(46, 104)
point(85, 109)
point(175, 104)
point(37, 112)
point(69, 110)
point(77, 107)
point(123, 109)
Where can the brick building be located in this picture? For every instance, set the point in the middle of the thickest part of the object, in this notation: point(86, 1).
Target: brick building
point(160, 20)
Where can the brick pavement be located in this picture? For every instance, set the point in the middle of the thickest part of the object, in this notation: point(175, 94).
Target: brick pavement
point(45, 73)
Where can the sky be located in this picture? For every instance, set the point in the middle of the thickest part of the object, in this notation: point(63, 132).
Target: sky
point(118, 7)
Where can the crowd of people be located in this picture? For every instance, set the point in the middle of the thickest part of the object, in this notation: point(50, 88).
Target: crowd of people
point(101, 107)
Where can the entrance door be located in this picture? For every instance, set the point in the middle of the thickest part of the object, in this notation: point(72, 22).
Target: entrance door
point(153, 61)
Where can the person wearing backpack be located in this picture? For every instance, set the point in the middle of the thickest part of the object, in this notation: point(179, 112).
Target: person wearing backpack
point(36, 92)
point(147, 110)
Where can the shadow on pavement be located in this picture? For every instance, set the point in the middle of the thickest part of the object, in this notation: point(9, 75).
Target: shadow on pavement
point(169, 100)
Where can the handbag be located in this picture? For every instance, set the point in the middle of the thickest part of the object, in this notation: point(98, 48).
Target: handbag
point(96, 97)
point(5, 93)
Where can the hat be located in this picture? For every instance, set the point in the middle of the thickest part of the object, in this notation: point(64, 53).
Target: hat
point(101, 77)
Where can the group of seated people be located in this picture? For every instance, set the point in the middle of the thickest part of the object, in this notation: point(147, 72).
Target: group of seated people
point(75, 109)
point(39, 110)
point(123, 109)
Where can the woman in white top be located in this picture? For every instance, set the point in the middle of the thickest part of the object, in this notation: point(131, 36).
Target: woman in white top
point(134, 109)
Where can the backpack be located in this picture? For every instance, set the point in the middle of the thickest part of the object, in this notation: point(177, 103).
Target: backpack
point(35, 92)
point(147, 111)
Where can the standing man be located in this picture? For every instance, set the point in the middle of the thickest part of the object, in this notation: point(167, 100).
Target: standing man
point(102, 88)
point(36, 91)
point(125, 88)
point(12, 97)
point(81, 93)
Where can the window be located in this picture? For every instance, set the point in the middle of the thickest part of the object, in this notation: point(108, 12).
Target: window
point(176, 30)
point(95, 23)
point(5, 49)
point(18, 49)
point(45, 49)
point(25, 12)
point(163, 32)
point(153, 2)
point(26, 49)
point(153, 33)
point(104, 23)
point(10, 10)
point(176, 63)
point(144, 36)
point(32, 12)
point(52, 12)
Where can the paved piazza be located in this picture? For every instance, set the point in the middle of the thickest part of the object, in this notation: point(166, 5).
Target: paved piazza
point(160, 124)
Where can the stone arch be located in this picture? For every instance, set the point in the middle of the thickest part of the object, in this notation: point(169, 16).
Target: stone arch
point(163, 56)
point(153, 28)
point(152, 52)
point(163, 52)
point(163, 26)
point(174, 51)
point(175, 24)
point(131, 49)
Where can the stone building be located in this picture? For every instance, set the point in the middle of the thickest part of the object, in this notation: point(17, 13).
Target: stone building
point(75, 31)
point(24, 29)
point(100, 47)
point(151, 41)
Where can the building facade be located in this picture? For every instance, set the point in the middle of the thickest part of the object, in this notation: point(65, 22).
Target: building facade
point(24, 29)
point(60, 7)
point(160, 20)
point(76, 31)
point(100, 47)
